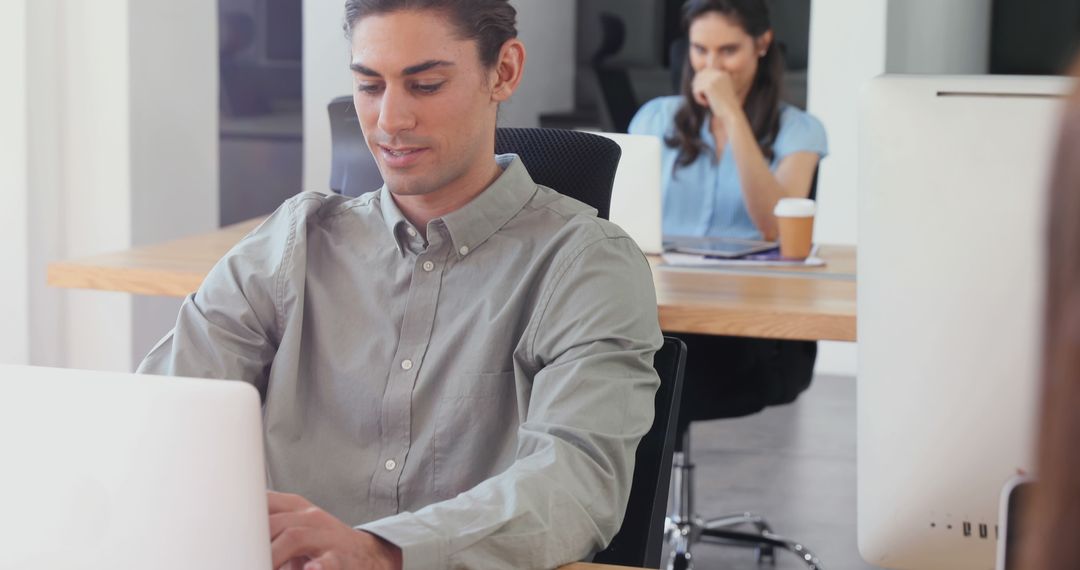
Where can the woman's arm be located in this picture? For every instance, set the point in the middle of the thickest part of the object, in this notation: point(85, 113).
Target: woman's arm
point(761, 188)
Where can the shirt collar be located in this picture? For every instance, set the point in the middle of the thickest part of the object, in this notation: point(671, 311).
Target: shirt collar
point(472, 224)
point(398, 225)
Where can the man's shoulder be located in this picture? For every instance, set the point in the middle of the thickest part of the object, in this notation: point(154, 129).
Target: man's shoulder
point(316, 206)
point(572, 223)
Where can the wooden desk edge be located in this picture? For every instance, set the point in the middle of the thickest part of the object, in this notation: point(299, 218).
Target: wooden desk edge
point(85, 275)
point(591, 566)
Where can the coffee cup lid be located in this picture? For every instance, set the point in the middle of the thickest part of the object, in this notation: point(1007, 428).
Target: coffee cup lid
point(795, 208)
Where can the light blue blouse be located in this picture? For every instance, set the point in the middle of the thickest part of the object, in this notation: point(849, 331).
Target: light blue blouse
point(705, 198)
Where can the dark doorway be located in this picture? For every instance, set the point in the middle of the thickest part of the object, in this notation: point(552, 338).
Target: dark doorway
point(261, 49)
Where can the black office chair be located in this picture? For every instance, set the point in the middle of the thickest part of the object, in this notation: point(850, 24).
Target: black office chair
point(770, 373)
point(353, 170)
point(575, 164)
point(615, 85)
point(640, 541)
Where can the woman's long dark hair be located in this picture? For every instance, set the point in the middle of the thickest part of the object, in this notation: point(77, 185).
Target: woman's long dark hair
point(762, 105)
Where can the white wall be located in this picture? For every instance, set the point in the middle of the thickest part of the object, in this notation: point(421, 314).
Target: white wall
point(120, 151)
point(96, 169)
point(326, 75)
point(852, 41)
point(847, 48)
point(14, 179)
point(174, 169)
point(939, 37)
point(545, 26)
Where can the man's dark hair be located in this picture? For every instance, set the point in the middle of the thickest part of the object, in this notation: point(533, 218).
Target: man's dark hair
point(491, 23)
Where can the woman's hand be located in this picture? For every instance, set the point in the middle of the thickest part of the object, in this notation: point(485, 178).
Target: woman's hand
point(716, 90)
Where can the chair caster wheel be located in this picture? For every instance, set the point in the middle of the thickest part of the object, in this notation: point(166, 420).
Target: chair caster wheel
point(679, 562)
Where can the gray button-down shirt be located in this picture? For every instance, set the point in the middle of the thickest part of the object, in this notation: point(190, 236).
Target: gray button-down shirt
point(476, 398)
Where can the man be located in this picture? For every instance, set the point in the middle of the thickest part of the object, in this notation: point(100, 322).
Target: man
point(456, 370)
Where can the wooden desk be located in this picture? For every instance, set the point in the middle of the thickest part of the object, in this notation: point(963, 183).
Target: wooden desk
point(805, 304)
point(590, 566)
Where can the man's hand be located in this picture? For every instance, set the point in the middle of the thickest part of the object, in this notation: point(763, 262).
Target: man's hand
point(306, 537)
point(716, 90)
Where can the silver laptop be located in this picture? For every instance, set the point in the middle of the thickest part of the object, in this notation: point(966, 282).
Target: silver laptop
point(635, 198)
point(106, 470)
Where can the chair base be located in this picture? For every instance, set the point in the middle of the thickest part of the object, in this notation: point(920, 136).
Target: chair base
point(683, 529)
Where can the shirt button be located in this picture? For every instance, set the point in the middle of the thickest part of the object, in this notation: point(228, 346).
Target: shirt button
point(406, 365)
point(390, 464)
point(464, 250)
point(428, 266)
point(410, 231)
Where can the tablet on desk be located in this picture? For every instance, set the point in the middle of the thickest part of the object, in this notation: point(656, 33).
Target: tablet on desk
point(727, 248)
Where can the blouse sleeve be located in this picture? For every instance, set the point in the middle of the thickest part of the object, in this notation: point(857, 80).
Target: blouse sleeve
point(800, 132)
point(651, 119)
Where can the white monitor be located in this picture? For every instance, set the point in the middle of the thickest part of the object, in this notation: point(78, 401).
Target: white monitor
point(105, 470)
point(953, 175)
point(635, 197)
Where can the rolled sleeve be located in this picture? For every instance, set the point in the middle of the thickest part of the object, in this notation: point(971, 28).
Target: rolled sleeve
point(422, 547)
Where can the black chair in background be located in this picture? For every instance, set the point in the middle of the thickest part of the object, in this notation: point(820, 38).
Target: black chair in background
point(579, 165)
point(575, 164)
point(352, 168)
point(727, 378)
point(640, 541)
point(615, 85)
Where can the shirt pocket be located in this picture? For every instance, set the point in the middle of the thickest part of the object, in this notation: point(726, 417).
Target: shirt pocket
point(475, 436)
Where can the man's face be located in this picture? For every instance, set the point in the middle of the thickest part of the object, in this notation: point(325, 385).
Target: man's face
point(424, 101)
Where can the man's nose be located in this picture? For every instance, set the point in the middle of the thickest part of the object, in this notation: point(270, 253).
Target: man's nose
point(395, 112)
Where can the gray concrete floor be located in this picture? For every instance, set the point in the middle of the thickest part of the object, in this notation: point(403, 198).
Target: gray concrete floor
point(793, 464)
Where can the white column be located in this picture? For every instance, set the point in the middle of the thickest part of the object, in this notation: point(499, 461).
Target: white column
point(548, 30)
point(847, 48)
point(174, 130)
point(852, 41)
point(939, 37)
point(326, 76)
point(95, 164)
point(120, 150)
point(14, 187)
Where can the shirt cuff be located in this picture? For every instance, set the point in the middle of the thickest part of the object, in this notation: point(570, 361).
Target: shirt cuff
point(421, 547)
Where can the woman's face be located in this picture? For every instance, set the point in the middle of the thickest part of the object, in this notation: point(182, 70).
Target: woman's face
point(717, 42)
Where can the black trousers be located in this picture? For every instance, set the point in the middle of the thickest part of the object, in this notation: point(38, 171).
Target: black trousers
point(730, 377)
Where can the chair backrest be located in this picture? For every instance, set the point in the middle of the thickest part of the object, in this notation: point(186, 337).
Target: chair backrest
point(575, 164)
point(641, 539)
point(579, 165)
point(615, 86)
point(353, 170)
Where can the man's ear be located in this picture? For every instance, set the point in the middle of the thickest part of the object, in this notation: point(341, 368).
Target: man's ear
point(763, 42)
point(508, 70)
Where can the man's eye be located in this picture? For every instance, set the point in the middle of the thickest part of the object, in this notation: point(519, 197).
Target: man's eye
point(427, 88)
point(368, 89)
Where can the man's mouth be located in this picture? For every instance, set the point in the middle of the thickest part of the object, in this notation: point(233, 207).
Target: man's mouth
point(401, 157)
point(401, 151)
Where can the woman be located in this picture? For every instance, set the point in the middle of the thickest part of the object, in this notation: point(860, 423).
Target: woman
point(732, 151)
point(732, 148)
point(1054, 521)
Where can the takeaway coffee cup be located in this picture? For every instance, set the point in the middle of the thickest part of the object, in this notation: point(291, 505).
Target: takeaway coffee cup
point(795, 217)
